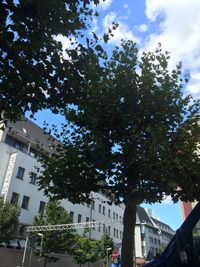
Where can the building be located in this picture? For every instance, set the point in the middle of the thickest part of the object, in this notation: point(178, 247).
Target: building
point(19, 145)
point(151, 235)
point(187, 207)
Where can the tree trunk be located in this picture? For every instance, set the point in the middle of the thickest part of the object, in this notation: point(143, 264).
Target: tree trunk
point(45, 261)
point(128, 241)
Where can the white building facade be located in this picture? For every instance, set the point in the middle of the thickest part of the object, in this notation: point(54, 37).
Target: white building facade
point(18, 163)
point(151, 235)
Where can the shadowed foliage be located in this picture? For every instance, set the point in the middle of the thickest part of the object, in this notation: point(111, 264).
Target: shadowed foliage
point(34, 74)
point(134, 135)
point(9, 214)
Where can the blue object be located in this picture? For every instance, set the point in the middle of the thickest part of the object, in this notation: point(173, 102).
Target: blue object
point(181, 248)
point(115, 265)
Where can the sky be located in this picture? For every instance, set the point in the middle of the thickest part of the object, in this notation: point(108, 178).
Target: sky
point(174, 24)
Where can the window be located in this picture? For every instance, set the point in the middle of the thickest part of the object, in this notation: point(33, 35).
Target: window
point(93, 225)
point(152, 250)
point(104, 228)
point(79, 218)
point(22, 231)
point(99, 227)
point(14, 198)
point(104, 210)
point(20, 146)
point(32, 176)
point(117, 233)
point(10, 141)
point(109, 213)
point(150, 240)
point(143, 251)
point(120, 234)
point(92, 204)
point(109, 229)
point(99, 208)
point(20, 173)
point(41, 207)
point(153, 231)
point(114, 215)
point(71, 215)
point(25, 202)
point(16, 143)
point(33, 153)
point(155, 241)
point(87, 219)
point(114, 232)
point(194, 240)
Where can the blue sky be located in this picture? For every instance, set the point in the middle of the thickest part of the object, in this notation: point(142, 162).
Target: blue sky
point(147, 22)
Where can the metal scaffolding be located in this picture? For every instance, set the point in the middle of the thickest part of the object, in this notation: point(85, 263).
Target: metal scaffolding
point(61, 227)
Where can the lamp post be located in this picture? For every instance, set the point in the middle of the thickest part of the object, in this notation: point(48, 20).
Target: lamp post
point(25, 247)
point(108, 249)
point(41, 243)
point(90, 218)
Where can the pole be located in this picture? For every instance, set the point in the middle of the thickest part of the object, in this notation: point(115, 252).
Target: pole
point(107, 258)
point(108, 249)
point(90, 231)
point(25, 247)
point(41, 243)
point(31, 254)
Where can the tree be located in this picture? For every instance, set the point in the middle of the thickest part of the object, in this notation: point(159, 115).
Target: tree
point(133, 136)
point(85, 250)
point(54, 242)
point(34, 74)
point(106, 242)
point(9, 214)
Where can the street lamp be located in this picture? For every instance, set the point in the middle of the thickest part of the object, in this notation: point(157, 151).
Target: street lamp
point(25, 247)
point(108, 249)
point(41, 243)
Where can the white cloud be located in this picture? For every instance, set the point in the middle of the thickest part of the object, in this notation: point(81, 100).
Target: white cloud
point(109, 18)
point(67, 43)
point(105, 4)
point(95, 27)
point(126, 6)
point(142, 27)
point(122, 32)
point(179, 33)
point(194, 86)
point(167, 200)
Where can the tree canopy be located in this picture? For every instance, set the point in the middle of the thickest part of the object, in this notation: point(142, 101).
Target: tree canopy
point(9, 214)
point(106, 242)
point(133, 136)
point(86, 250)
point(54, 242)
point(34, 74)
